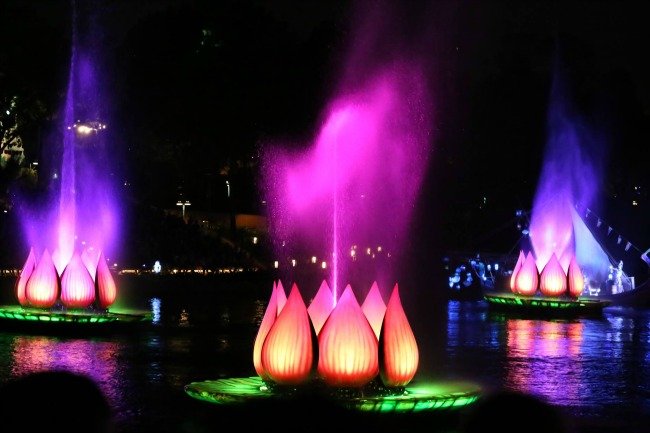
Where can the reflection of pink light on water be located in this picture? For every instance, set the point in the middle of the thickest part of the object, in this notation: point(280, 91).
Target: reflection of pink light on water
point(543, 358)
point(96, 359)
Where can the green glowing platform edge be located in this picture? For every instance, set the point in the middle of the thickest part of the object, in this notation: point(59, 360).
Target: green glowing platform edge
point(512, 300)
point(416, 398)
point(16, 312)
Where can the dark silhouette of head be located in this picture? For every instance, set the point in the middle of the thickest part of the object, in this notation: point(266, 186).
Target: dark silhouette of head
point(54, 401)
point(509, 411)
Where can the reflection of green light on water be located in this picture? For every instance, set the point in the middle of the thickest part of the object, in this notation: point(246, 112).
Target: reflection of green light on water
point(419, 398)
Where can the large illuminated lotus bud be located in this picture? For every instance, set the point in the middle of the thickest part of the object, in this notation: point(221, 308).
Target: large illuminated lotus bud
point(552, 280)
point(576, 279)
point(289, 350)
point(77, 286)
point(28, 268)
point(515, 271)
point(348, 348)
point(374, 308)
point(267, 321)
point(282, 296)
point(42, 288)
point(321, 307)
point(106, 289)
point(398, 351)
point(527, 277)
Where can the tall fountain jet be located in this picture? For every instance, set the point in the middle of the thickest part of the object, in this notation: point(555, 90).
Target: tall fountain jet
point(570, 180)
point(70, 236)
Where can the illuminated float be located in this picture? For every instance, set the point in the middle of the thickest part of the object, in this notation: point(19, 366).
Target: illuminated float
point(362, 356)
point(77, 291)
point(553, 289)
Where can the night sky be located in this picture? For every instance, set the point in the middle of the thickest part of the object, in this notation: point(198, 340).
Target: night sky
point(195, 87)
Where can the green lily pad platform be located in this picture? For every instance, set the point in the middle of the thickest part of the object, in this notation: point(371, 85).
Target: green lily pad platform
point(554, 306)
point(414, 398)
point(56, 320)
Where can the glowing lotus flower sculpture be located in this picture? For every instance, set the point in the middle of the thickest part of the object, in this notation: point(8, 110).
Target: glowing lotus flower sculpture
point(527, 277)
point(553, 281)
point(576, 279)
point(81, 283)
point(515, 271)
point(343, 345)
point(289, 349)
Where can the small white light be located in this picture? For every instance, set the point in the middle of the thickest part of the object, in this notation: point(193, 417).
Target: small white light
point(275, 264)
point(313, 259)
point(323, 265)
point(293, 262)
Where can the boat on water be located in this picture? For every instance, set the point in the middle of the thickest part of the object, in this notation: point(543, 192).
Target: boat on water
point(623, 280)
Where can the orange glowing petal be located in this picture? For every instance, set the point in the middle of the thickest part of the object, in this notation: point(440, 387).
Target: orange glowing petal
point(28, 268)
point(42, 288)
point(77, 286)
point(527, 278)
point(106, 288)
point(552, 280)
point(348, 348)
point(398, 350)
point(515, 271)
point(321, 307)
point(576, 279)
point(374, 308)
point(282, 296)
point(289, 350)
point(262, 332)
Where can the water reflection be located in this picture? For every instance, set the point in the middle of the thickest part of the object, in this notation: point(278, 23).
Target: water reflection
point(155, 310)
point(96, 359)
point(544, 358)
point(594, 366)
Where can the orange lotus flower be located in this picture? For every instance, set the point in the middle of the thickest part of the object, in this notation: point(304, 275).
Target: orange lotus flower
point(552, 280)
point(42, 288)
point(515, 271)
point(77, 286)
point(106, 289)
point(321, 307)
point(576, 279)
point(527, 277)
point(398, 351)
point(374, 308)
point(289, 350)
point(28, 268)
point(348, 348)
point(267, 322)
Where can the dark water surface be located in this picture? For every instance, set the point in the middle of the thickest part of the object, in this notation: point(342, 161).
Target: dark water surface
point(597, 370)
